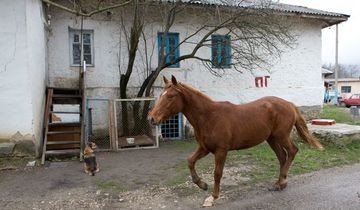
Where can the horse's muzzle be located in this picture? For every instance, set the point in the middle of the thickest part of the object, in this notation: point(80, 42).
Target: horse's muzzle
point(152, 121)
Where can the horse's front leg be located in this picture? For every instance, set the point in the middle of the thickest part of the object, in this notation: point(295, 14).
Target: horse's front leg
point(195, 156)
point(220, 157)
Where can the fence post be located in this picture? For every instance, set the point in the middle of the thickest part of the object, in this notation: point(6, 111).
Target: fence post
point(112, 126)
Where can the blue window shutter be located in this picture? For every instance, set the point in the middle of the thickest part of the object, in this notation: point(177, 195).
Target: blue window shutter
point(171, 41)
point(228, 51)
point(220, 51)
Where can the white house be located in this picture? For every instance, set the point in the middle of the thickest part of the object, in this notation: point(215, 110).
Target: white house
point(38, 50)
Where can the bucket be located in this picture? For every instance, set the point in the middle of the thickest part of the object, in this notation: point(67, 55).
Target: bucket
point(130, 140)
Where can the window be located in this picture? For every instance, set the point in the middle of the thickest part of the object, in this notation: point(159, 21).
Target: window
point(345, 89)
point(220, 51)
point(75, 47)
point(171, 48)
point(172, 128)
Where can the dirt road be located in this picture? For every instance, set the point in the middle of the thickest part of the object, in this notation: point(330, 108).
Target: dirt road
point(140, 180)
point(331, 189)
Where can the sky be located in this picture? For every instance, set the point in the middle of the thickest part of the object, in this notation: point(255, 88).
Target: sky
point(349, 31)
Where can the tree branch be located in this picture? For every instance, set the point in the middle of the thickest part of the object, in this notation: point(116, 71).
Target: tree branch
point(80, 13)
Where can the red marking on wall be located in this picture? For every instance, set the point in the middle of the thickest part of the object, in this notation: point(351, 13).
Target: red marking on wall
point(261, 81)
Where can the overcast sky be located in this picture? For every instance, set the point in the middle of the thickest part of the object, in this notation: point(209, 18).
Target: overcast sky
point(349, 31)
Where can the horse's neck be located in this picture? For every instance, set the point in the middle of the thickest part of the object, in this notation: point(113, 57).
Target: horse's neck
point(197, 107)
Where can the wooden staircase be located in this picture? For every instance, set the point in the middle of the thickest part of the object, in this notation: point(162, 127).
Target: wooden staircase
point(62, 138)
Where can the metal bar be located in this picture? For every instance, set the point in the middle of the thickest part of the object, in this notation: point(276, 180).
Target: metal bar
point(136, 99)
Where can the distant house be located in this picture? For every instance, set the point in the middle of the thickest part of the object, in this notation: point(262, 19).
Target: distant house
point(39, 49)
point(346, 86)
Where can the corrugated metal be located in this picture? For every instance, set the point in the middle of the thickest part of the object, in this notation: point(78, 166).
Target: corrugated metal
point(279, 7)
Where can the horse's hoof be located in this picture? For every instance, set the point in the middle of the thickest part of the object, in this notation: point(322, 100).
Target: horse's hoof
point(209, 201)
point(203, 186)
point(277, 187)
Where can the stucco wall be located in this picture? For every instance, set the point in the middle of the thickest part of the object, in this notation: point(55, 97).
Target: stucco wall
point(22, 70)
point(296, 77)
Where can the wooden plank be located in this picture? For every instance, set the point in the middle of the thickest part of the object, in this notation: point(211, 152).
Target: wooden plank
point(140, 141)
point(116, 136)
point(111, 125)
point(46, 121)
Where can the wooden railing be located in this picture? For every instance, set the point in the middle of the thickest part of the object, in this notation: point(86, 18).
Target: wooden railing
point(83, 109)
point(48, 104)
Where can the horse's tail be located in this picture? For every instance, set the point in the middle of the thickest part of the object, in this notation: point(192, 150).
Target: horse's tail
point(304, 133)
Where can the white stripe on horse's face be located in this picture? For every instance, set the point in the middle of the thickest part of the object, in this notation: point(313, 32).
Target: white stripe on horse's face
point(164, 93)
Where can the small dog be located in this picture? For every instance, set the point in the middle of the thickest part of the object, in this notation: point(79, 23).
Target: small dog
point(90, 166)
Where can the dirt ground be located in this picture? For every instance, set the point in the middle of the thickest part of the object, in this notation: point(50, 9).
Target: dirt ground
point(136, 179)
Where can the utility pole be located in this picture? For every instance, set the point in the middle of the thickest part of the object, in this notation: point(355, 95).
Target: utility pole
point(336, 64)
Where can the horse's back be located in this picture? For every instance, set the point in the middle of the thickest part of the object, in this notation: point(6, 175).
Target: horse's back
point(252, 123)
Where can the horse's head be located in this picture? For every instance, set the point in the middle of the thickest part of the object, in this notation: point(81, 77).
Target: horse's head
point(170, 102)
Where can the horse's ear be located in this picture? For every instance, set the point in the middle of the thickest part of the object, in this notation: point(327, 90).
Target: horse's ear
point(173, 80)
point(165, 80)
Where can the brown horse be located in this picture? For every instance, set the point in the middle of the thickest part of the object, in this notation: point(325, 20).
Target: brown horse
point(223, 126)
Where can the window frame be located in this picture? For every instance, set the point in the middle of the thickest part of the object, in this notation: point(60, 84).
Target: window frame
point(72, 32)
point(346, 87)
point(227, 48)
point(167, 47)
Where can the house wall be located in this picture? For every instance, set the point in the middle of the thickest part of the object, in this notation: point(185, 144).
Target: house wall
point(355, 86)
point(296, 77)
point(354, 83)
point(22, 72)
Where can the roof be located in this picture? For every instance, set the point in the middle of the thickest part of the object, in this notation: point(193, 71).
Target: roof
point(344, 80)
point(331, 18)
point(326, 71)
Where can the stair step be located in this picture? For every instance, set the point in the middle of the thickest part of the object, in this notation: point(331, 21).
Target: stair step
point(66, 96)
point(63, 124)
point(62, 152)
point(66, 90)
point(63, 132)
point(64, 112)
point(67, 99)
point(62, 142)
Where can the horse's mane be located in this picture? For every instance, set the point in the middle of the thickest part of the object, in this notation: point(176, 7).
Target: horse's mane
point(195, 91)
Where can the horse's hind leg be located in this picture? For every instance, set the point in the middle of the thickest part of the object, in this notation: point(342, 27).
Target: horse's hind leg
point(195, 156)
point(285, 151)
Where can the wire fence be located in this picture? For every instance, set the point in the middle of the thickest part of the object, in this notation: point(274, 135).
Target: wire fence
point(133, 130)
point(120, 124)
point(97, 126)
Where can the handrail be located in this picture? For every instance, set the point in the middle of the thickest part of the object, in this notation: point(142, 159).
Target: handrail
point(50, 92)
point(83, 109)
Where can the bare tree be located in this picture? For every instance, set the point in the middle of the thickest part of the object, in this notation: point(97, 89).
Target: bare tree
point(258, 36)
point(344, 70)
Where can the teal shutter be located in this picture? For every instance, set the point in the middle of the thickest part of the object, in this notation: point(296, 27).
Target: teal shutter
point(220, 51)
point(171, 48)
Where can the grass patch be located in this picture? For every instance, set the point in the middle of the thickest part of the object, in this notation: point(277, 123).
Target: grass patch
point(16, 162)
point(265, 165)
point(339, 114)
point(110, 185)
